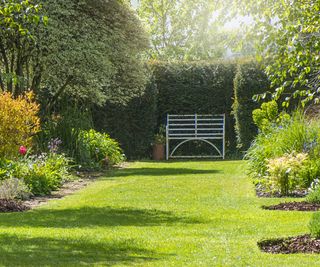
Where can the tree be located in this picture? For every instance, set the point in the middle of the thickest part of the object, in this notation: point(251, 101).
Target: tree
point(91, 51)
point(182, 29)
point(18, 44)
point(86, 51)
point(287, 37)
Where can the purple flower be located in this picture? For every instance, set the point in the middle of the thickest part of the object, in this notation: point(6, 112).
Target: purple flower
point(54, 144)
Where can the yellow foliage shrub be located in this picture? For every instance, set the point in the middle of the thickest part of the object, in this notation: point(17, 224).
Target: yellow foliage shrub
point(19, 122)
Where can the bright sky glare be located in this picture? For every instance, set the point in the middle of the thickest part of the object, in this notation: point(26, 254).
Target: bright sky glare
point(231, 25)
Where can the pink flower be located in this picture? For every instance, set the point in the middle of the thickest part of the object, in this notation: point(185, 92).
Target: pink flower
point(23, 150)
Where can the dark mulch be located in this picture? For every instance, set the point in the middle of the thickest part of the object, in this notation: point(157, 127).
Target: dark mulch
point(294, 206)
point(12, 206)
point(262, 192)
point(298, 244)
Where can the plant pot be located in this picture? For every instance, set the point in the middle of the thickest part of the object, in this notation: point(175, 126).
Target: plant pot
point(158, 152)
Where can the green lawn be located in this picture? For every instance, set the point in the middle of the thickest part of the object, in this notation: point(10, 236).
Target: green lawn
point(155, 214)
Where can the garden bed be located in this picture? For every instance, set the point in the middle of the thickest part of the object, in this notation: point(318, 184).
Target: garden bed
point(12, 206)
point(294, 206)
point(67, 189)
point(85, 178)
point(291, 245)
point(263, 193)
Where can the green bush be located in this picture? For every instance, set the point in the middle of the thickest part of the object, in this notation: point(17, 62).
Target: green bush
point(14, 188)
point(249, 81)
point(285, 174)
point(97, 150)
point(314, 197)
point(314, 192)
point(42, 174)
point(65, 124)
point(314, 225)
point(295, 136)
point(267, 117)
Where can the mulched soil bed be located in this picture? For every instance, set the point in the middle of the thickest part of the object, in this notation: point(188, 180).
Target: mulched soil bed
point(294, 206)
point(291, 245)
point(12, 206)
point(261, 192)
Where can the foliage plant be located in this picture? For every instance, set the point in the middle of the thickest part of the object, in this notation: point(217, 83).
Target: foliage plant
point(268, 117)
point(64, 127)
point(160, 137)
point(314, 225)
point(314, 192)
point(19, 122)
point(284, 173)
point(273, 151)
point(41, 173)
point(14, 188)
point(98, 149)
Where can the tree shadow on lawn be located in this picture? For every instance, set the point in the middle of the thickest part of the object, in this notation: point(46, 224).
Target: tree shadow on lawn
point(159, 172)
point(94, 217)
point(42, 251)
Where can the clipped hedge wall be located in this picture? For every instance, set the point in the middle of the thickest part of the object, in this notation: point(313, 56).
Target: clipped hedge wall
point(249, 81)
point(186, 88)
point(203, 88)
point(132, 124)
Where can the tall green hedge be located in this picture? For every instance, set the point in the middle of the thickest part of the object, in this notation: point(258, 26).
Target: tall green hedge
point(203, 88)
point(133, 124)
point(186, 88)
point(249, 81)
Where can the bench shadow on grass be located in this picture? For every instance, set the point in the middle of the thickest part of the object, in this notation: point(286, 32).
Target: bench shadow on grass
point(40, 251)
point(94, 217)
point(159, 172)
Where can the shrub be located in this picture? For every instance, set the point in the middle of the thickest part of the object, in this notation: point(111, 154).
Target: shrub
point(64, 125)
point(314, 192)
point(249, 81)
point(14, 188)
point(18, 122)
point(42, 174)
point(314, 197)
point(98, 149)
point(284, 173)
point(296, 135)
point(314, 225)
point(267, 117)
point(281, 144)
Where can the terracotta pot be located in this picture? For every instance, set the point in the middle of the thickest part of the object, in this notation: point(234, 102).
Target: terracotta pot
point(158, 152)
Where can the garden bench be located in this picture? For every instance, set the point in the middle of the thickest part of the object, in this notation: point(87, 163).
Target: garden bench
point(187, 128)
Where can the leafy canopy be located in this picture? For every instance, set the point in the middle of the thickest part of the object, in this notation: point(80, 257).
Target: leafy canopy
point(287, 36)
point(182, 29)
point(84, 51)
